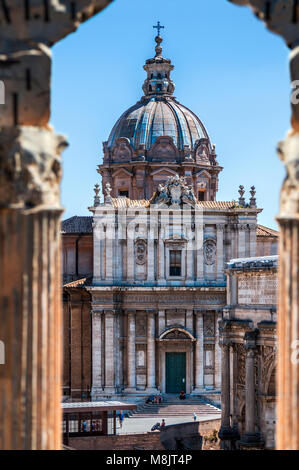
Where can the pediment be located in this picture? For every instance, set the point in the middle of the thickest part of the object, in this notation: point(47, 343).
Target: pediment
point(122, 172)
point(163, 172)
point(203, 174)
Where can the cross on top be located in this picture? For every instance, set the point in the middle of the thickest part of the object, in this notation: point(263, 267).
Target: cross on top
point(158, 27)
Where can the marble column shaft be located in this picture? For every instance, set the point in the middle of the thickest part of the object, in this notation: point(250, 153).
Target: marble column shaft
point(151, 351)
point(199, 355)
point(131, 350)
point(250, 393)
point(109, 350)
point(225, 389)
point(96, 352)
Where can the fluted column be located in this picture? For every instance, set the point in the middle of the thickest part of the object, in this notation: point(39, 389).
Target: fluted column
point(131, 351)
point(30, 245)
point(151, 352)
point(30, 289)
point(199, 351)
point(97, 378)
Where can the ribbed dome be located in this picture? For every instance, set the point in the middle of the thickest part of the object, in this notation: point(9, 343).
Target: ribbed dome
point(156, 116)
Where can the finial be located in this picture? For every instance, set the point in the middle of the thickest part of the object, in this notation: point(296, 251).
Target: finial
point(241, 198)
point(97, 197)
point(252, 199)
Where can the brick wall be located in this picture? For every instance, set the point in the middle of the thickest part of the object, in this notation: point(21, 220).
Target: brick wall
point(145, 441)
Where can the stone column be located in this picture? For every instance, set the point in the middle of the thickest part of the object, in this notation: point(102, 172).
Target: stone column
point(30, 288)
point(189, 320)
point(252, 240)
point(109, 352)
point(151, 352)
point(250, 438)
point(99, 236)
point(200, 257)
point(235, 365)
point(130, 257)
point(242, 240)
point(161, 321)
point(189, 256)
point(220, 263)
point(131, 352)
point(30, 172)
point(218, 316)
point(225, 430)
point(199, 358)
point(282, 18)
point(150, 258)
point(110, 247)
point(97, 379)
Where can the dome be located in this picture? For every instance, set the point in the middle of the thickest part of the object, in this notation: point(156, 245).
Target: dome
point(156, 116)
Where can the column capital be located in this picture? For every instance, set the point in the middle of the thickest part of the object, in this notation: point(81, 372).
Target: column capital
point(199, 311)
point(96, 313)
point(130, 312)
point(242, 227)
point(109, 312)
point(151, 312)
point(220, 227)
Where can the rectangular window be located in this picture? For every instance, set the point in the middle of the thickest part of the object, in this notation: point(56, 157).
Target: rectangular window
point(123, 193)
point(201, 195)
point(175, 263)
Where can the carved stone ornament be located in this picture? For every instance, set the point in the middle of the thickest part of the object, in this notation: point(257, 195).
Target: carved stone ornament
point(30, 167)
point(163, 150)
point(175, 193)
point(122, 151)
point(140, 251)
point(209, 251)
point(209, 326)
point(176, 334)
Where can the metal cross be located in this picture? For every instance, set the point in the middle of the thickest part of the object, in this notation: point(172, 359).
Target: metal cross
point(158, 27)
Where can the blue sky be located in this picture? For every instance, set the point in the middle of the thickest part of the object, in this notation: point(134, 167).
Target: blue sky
point(229, 69)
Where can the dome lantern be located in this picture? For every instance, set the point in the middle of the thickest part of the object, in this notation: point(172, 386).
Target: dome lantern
point(158, 70)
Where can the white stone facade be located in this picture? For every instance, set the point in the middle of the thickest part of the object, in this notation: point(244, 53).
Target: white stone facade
point(141, 307)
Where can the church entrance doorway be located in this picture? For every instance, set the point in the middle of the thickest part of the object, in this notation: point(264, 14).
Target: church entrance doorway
point(175, 372)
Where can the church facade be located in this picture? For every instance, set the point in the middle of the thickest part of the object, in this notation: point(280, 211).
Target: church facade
point(145, 285)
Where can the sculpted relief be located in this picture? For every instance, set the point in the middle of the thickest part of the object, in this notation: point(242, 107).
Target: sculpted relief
point(209, 251)
point(163, 150)
point(140, 251)
point(122, 151)
point(175, 193)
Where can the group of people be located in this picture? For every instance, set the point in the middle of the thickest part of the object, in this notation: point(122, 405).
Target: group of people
point(154, 399)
